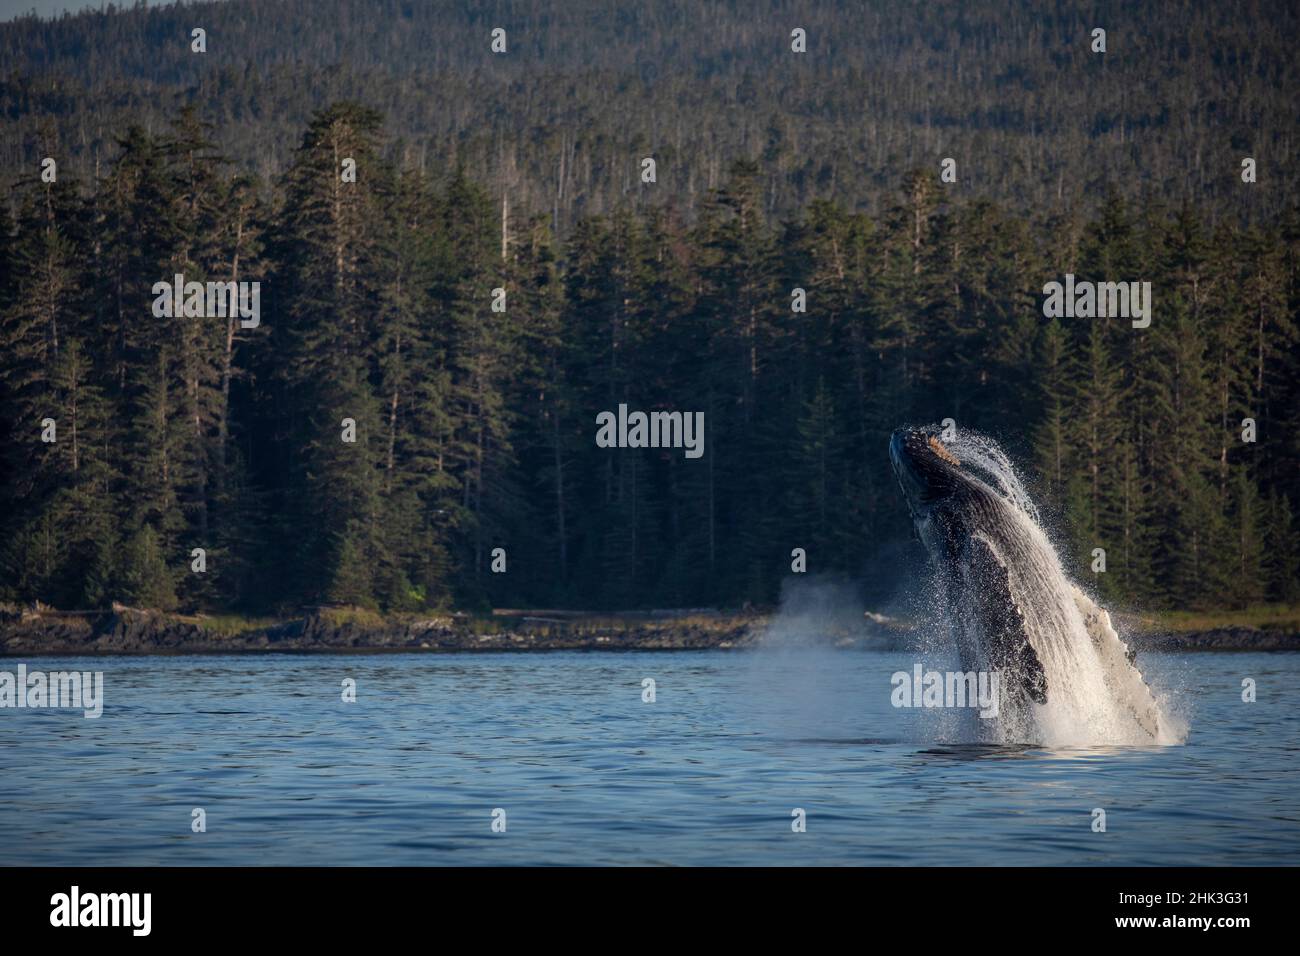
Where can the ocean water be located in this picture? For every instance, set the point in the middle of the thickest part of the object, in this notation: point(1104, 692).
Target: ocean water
point(588, 773)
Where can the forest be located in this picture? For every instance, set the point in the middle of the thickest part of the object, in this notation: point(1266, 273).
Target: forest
point(586, 88)
point(475, 427)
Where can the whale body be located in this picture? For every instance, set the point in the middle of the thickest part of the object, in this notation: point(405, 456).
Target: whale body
point(1009, 607)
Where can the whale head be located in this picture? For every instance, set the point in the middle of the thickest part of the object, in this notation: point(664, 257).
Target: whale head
point(928, 473)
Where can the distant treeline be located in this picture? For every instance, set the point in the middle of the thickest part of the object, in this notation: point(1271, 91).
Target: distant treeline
point(1011, 89)
point(475, 429)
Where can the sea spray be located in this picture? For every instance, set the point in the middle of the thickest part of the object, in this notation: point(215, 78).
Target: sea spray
point(798, 686)
point(1094, 695)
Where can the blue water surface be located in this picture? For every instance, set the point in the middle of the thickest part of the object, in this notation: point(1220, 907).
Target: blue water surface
point(588, 773)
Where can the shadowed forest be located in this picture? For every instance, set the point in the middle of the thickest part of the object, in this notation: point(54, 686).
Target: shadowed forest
point(475, 429)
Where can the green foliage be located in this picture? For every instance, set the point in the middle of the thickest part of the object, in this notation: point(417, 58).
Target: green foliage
point(475, 428)
point(146, 580)
point(589, 87)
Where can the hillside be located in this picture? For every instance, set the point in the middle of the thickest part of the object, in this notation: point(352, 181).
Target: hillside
point(587, 88)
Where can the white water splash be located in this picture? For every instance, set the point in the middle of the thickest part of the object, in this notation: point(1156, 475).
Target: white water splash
point(985, 457)
point(1095, 695)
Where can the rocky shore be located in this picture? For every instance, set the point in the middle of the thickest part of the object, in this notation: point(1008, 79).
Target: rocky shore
point(1219, 639)
point(26, 632)
point(132, 631)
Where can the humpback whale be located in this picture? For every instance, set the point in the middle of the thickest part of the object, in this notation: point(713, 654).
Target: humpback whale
point(1007, 604)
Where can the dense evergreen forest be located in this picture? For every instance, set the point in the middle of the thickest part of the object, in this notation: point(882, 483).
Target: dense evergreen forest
point(475, 428)
point(587, 87)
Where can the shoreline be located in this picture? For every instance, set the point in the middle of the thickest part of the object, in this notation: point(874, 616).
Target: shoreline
point(133, 632)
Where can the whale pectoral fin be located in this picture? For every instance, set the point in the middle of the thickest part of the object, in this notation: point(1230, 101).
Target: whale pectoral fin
point(1004, 625)
point(1119, 664)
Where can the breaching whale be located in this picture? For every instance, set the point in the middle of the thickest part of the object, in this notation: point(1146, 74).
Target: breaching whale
point(1009, 606)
